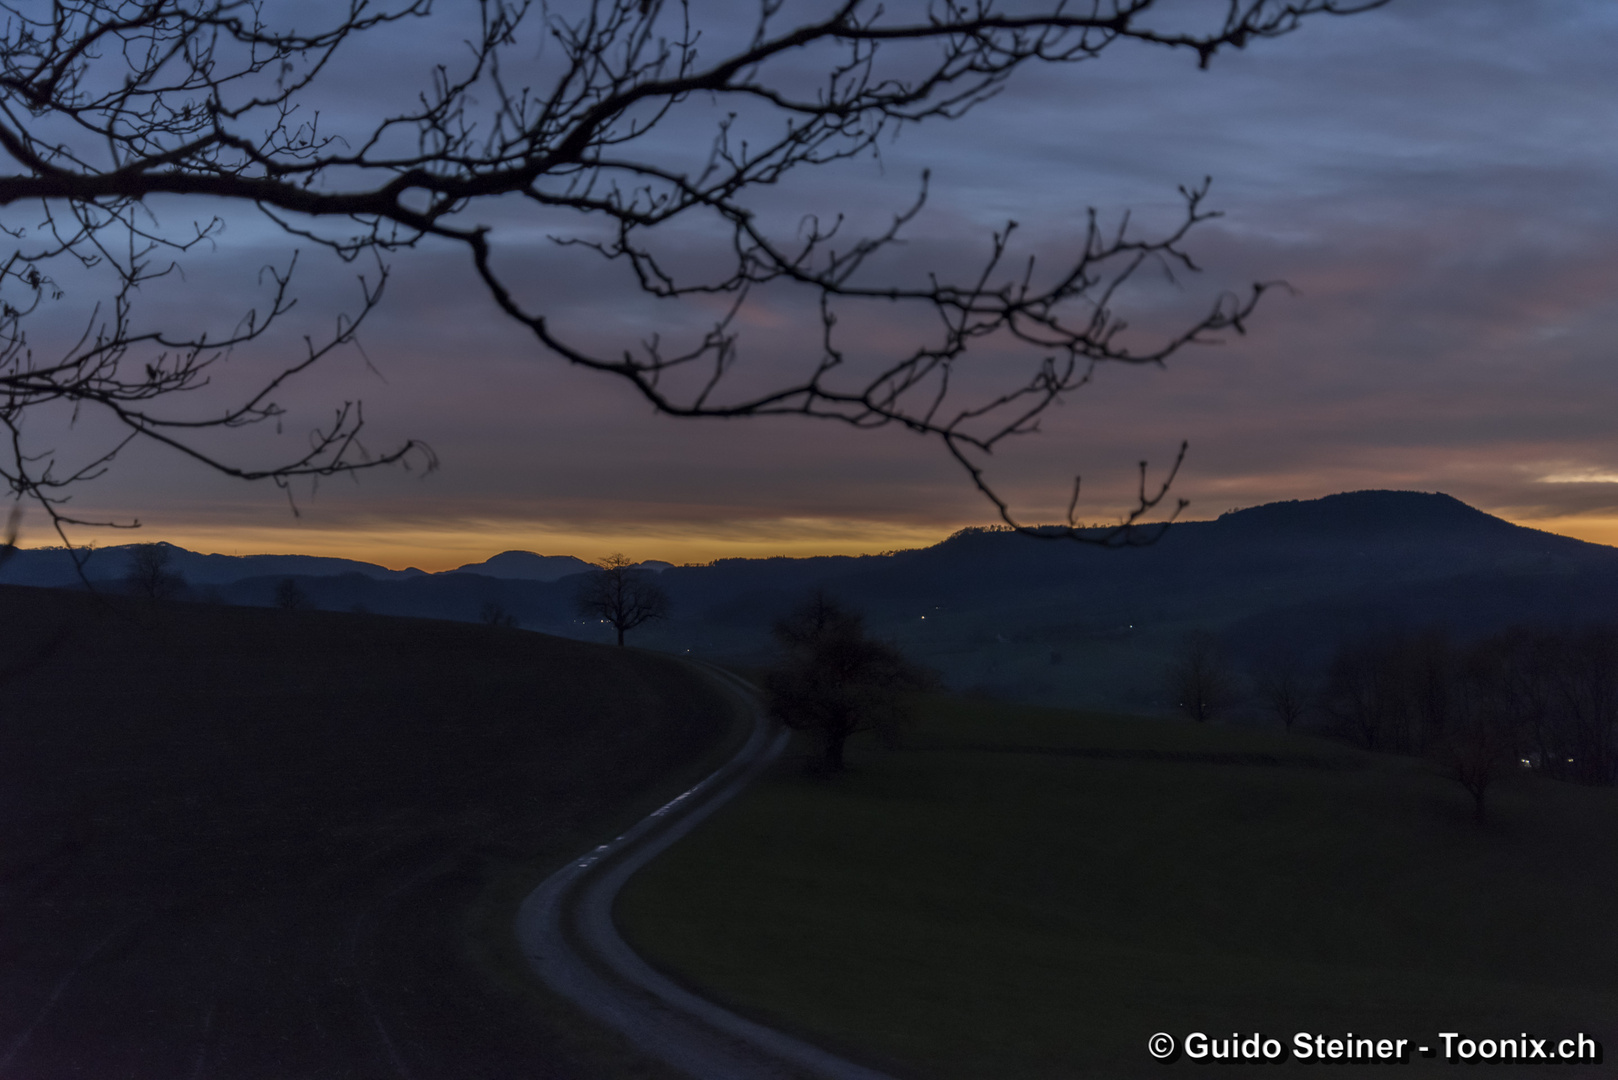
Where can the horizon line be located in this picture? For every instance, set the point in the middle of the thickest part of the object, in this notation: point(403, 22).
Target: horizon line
point(428, 553)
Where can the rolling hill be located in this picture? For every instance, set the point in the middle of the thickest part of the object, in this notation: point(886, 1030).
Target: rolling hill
point(1042, 620)
point(263, 844)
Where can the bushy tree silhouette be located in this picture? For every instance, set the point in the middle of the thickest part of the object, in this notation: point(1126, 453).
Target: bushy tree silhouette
point(833, 681)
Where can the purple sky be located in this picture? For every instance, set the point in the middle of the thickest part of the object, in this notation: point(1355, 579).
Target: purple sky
point(1436, 180)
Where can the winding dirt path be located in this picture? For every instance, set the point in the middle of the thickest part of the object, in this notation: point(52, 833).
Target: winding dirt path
point(566, 931)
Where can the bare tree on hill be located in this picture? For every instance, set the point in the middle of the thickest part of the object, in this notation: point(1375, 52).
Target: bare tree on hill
point(1283, 688)
point(1200, 682)
point(1369, 693)
point(1545, 699)
point(619, 594)
point(1478, 743)
point(495, 616)
point(1588, 693)
point(149, 575)
point(1527, 660)
point(131, 129)
point(30, 658)
point(289, 595)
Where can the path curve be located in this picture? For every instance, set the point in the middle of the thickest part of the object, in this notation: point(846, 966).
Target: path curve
point(566, 931)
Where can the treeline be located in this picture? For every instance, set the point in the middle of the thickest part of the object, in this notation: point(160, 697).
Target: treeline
point(1544, 698)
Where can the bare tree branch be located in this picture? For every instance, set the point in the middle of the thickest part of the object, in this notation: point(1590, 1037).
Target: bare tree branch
point(109, 106)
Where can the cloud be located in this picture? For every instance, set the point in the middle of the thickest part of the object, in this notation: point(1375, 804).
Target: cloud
point(1581, 476)
point(1433, 180)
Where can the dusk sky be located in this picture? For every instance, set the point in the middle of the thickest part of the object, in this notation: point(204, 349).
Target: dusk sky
point(1436, 180)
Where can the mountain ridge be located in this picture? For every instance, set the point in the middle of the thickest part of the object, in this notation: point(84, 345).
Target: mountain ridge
point(1049, 620)
point(1357, 514)
point(525, 566)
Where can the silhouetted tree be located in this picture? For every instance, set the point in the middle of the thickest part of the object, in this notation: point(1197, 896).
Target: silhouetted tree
point(833, 681)
point(495, 616)
point(1478, 742)
point(1526, 696)
point(289, 595)
point(1200, 682)
point(1432, 676)
point(1283, 688)
point(1526, 662)
point(25, 659)
point(115, 109)
point(149, 575)
point(619, 594)
point(1371, 691)
point(1588, 699)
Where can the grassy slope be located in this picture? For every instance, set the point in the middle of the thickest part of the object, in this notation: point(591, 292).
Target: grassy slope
point(256, 843)
point(1031, 893)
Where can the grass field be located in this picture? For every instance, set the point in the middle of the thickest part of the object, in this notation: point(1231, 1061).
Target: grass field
point(1033, 893)
point(253, 843)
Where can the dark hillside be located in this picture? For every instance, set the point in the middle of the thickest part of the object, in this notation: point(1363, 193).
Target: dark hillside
point(259, 843)
point(538, 605)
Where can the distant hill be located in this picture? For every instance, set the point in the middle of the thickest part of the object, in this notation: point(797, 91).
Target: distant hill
point(1368, 513)
point(1062, 623)
point(1039, 619)
point(53, 567)
point(525, 566)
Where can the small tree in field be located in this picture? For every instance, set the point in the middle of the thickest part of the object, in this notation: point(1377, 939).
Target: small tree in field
point(1282, 688)
point(495, 616)
point(289, 595)
point(622, 595)
point(834, 681)
point(1479, 742)
point(149, 575)
point(1200, 684)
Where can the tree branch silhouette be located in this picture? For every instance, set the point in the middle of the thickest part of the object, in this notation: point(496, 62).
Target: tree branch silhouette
point(109, 107)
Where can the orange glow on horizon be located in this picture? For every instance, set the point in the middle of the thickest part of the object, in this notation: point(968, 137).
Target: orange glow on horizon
point(435, 549)
point(1596, 529)
point(398, 546)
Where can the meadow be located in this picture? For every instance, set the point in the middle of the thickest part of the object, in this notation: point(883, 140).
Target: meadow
point(262, 843)
point(1026, 892)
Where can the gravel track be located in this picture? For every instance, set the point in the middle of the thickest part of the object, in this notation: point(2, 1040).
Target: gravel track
point(566, 931)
